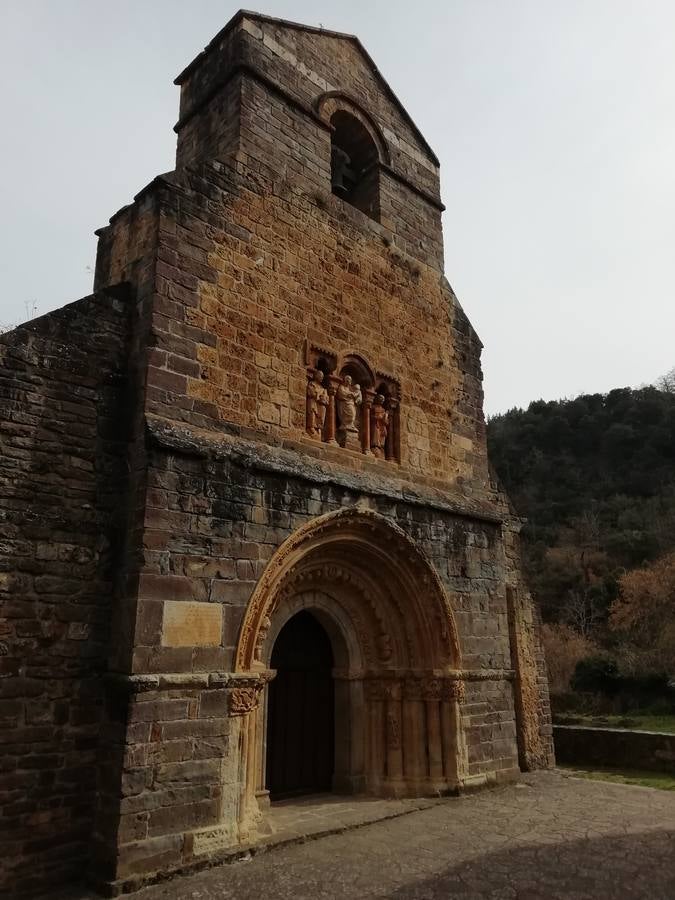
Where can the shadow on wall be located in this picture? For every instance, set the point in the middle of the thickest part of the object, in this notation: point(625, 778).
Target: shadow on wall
point(615, 866)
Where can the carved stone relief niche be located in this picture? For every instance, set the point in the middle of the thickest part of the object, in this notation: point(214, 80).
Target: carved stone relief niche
point(350, 405)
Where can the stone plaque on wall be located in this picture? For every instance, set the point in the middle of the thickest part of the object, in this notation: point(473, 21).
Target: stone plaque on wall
point(188, 624)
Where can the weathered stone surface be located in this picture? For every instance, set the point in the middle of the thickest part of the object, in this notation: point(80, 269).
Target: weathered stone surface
point(211, 840)
point(614, 747)
point(63, 428)
point(189, 624)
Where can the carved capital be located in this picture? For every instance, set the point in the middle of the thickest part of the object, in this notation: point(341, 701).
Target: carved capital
point(456, 691)
point(413, 689)
point(244, 699)
point(382, 689)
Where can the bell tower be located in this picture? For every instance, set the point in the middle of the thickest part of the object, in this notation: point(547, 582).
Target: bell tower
point(310, 104)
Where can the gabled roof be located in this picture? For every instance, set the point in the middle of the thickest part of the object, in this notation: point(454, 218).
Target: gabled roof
point(259, 17)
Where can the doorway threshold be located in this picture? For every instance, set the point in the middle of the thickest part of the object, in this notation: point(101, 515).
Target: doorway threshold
point(312, 816)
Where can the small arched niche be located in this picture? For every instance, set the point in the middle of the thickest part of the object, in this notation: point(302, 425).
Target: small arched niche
point(355, 175)
point(361, 374)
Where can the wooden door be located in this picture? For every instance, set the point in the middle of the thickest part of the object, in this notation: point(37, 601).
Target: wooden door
point(301, 711)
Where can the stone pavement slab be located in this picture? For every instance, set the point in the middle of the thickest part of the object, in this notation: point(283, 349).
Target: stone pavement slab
point(549, 836)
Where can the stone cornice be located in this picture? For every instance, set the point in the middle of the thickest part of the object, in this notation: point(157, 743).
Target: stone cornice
point(256, 75)
point(168, 681)
point(257, 456)
point(142, 684)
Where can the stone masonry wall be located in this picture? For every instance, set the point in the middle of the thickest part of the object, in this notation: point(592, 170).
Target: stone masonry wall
point(217, 510)
point(615, 748)
point(250, 270)
point(63, 396)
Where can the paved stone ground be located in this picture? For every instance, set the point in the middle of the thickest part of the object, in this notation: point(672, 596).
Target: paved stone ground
point(310, 816)
point(550, 836)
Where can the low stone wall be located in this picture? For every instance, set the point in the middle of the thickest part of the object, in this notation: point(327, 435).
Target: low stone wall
point(614, 747)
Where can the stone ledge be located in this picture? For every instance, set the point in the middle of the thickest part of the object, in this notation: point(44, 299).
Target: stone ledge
point(257, 456)
point(139, 684)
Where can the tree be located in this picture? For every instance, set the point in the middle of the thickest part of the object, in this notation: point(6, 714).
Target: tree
point(666, 382)
point(644, 613)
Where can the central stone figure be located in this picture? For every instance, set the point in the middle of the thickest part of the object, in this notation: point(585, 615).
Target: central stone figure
point(349, 399)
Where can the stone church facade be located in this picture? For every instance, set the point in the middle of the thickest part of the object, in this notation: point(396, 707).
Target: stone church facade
point(251, 543)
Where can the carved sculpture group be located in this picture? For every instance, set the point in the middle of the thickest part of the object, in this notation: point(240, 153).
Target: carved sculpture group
point(342, 413)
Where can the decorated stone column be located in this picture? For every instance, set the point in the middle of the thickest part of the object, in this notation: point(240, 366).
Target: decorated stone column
point(432, 698)
point(453, 756)
point(414, 735)
point(394, 737)
point(376, 755)
point(392, 436)
point(329, 431)
point(368, 397)
point(244, 699)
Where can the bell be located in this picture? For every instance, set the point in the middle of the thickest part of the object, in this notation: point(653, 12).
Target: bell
point(340, 171)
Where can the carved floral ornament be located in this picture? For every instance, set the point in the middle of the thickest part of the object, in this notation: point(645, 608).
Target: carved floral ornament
point(377, 551)
point(245, 696)
point(352, 406)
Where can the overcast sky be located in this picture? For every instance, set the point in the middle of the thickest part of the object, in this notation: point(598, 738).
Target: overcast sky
point(554, 123)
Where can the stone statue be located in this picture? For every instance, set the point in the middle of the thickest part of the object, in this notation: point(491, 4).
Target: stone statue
point(317, 404)
point(379, 418)
point(349, 399)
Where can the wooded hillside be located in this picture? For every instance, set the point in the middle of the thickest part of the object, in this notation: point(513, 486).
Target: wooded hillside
point(595, 478)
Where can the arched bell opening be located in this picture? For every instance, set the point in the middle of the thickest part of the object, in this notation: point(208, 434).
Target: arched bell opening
point(355, 175)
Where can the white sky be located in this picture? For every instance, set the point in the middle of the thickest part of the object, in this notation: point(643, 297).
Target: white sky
point(554, 123)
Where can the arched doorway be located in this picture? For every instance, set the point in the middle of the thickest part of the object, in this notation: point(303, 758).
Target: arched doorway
point(397, 680)
point(300, 711)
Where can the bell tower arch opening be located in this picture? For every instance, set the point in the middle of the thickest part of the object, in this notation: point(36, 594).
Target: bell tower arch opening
point(355, 173)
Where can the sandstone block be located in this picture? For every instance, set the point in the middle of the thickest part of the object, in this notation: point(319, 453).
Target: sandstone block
point(190, 624)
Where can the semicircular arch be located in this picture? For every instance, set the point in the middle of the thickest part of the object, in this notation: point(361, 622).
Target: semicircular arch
point(402, 599)
point(329, 103)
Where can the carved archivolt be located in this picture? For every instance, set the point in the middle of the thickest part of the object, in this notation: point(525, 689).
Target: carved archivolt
point(397, 597)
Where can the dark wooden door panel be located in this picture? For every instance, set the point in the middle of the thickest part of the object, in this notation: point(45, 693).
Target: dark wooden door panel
point(300, 711)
